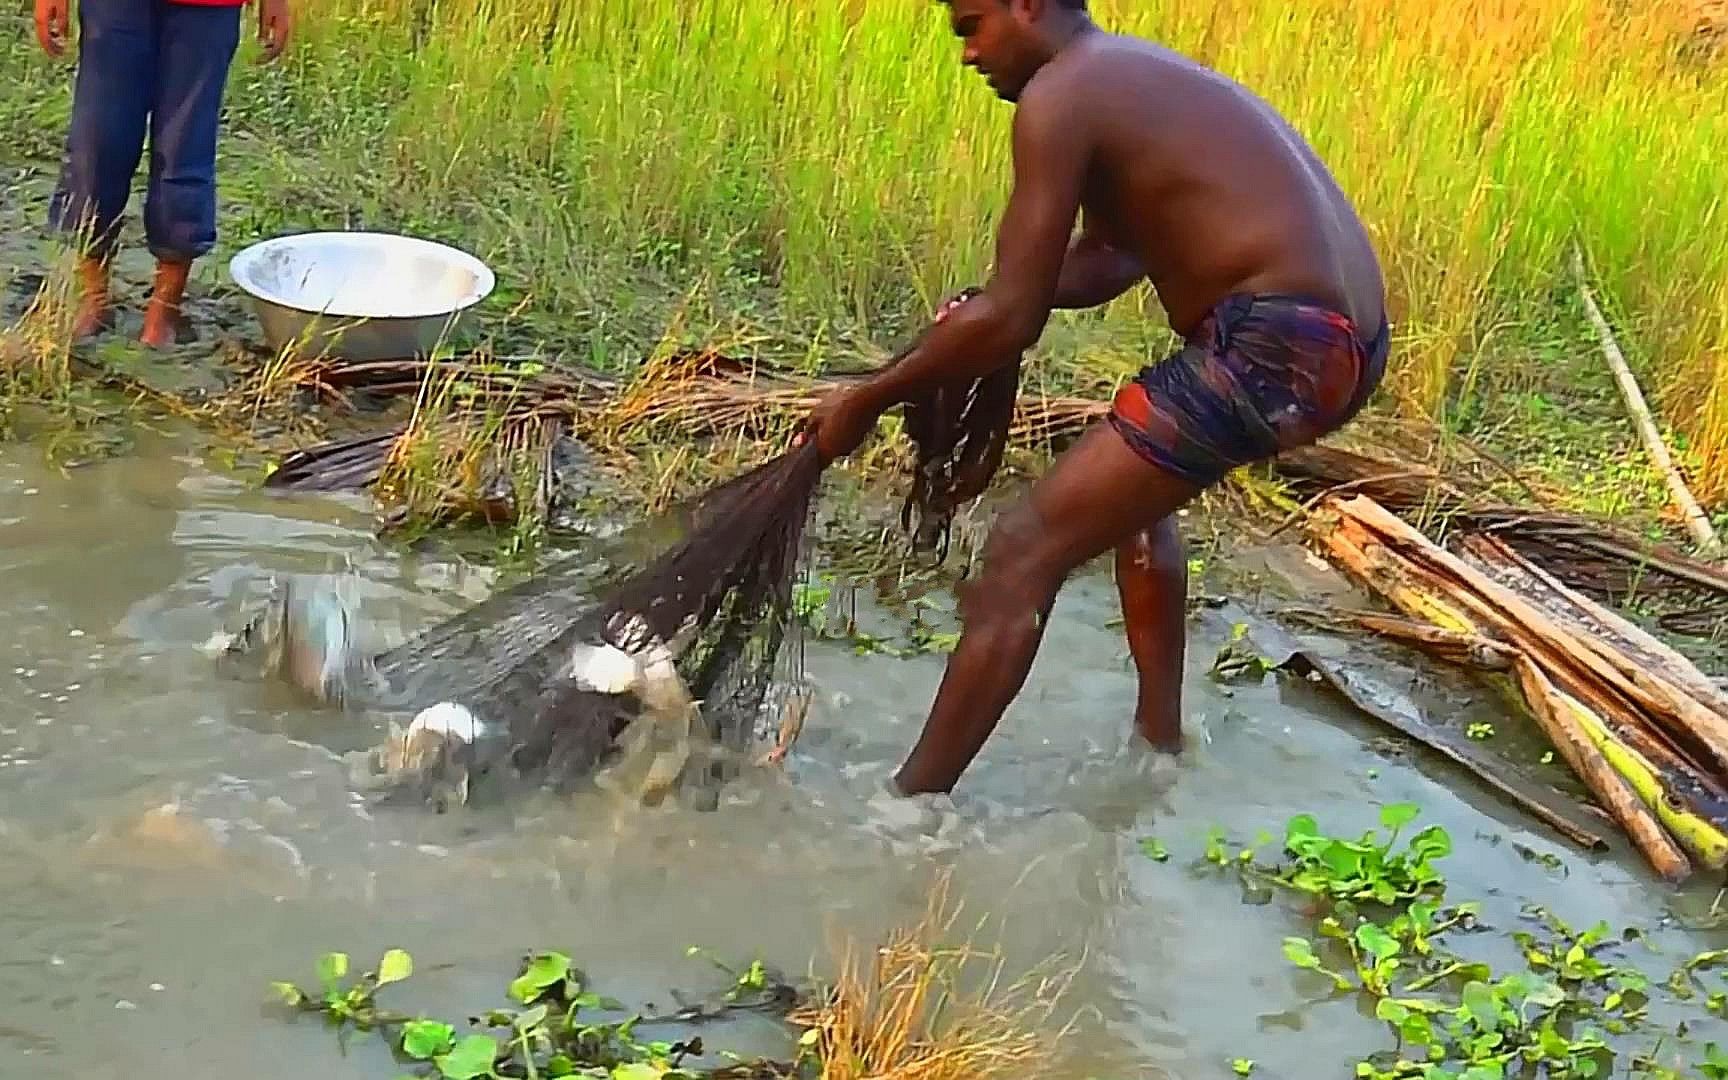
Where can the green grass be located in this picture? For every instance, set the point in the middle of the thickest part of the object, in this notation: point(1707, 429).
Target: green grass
point(823, 173)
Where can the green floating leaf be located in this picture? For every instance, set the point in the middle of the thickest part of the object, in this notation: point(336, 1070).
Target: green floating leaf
point(289, 994)
point(1154, 849)
point(1302, 825)
point(1707, 959)
point(1431, 843)
point(636, 1070)
point(1397, 815)
point(332, 967)
point(531, 1018)
point(472, 1058)
point(1300, 951)
point(543, 971)
point(426, 1039)
point(1478, 999)
point(1715, 1064)
point(1376, 941)
point(1242, 1066)
point(396, 966)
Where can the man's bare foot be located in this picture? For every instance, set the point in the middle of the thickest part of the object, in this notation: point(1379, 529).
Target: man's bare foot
point(164, 324)
point(95, 312)
point(1159, 727)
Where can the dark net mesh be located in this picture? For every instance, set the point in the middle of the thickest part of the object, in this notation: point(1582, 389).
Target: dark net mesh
point(959, 432)
point(723, 594)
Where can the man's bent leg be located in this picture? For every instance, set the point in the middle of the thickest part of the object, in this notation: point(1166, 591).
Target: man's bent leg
point(1097, 497)
point(1152, 579)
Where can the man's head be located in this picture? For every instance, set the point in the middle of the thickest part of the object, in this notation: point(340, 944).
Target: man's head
point(1007, 41)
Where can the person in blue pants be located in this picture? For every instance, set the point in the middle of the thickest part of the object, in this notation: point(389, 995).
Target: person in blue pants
point(155, 68)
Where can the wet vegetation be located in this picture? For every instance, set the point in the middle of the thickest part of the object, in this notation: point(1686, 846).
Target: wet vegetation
point(1377, 925)
point(920, 1007)
point(1382, 929)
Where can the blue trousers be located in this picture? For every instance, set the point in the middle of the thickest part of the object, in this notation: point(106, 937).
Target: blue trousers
point(146, 66)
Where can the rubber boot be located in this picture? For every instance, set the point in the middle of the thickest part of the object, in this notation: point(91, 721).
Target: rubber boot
point(164, 323)
point(95, 312)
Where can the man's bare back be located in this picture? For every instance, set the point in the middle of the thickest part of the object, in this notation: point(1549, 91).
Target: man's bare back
point(1183, 178)
point(1206, 185)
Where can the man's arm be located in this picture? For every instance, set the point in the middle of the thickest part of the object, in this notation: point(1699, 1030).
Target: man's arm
point(1052, 148)
point(1096, 271)
point(275, 22)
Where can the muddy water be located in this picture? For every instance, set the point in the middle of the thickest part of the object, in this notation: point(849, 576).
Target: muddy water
point(172, 840)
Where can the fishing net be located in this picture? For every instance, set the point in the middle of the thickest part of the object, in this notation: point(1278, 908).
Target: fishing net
point(721, 600)
point(959, 432)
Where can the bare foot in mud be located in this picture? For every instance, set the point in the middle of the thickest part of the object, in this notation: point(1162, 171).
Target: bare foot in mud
point(1170, 746)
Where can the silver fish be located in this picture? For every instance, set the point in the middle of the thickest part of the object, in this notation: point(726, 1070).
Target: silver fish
point(306, 635)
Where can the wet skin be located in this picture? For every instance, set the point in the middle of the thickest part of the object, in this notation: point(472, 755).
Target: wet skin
point(1179, 177)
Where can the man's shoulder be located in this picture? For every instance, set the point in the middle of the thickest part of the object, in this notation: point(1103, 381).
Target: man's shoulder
point(1097, 70)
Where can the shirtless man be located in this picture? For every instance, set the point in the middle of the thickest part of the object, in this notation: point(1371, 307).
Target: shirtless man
point(1191, 182)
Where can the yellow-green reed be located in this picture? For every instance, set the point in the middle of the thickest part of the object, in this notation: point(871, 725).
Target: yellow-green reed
point(836, 151)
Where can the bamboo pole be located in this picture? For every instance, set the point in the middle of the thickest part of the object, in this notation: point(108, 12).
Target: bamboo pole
point(1666, 784)
point(1663, 702)
point(1615, 794)
point(1697, 522)
point(1463, 649)
point(1417, 591)
point(1676, 668)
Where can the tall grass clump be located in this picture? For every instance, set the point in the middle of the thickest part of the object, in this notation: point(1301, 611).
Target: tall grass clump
point(834, 161)
point(35, 353)
point(839, 152)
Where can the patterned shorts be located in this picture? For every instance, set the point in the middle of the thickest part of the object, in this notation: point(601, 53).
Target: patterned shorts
point(1261, 374)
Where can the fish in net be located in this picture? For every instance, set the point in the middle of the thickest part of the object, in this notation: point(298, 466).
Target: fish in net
point(677, 668)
